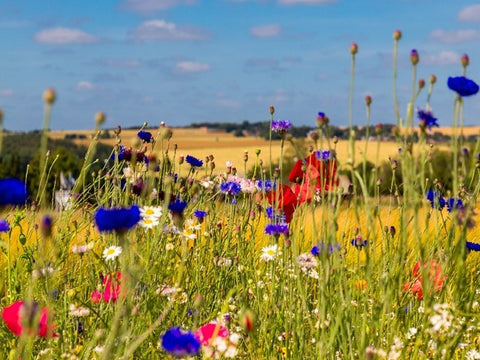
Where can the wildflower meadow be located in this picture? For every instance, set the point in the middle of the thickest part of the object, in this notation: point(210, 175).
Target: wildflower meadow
point(158, 254)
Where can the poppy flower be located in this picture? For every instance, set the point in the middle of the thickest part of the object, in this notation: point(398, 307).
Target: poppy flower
point(111, 286)
point(206, 333)
point(19, 314)
point(462, 86)
point(435, 275)
point(287, 201)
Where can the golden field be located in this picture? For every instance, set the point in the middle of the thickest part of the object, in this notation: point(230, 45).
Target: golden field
point(226, 147)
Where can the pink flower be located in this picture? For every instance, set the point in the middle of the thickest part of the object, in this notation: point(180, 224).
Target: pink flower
point(209, 331)
point(111, 285)
point(19, 314)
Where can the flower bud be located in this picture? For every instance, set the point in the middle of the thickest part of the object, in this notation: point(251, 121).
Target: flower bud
point(465, 60)
point(46, 226)
point(433, 79)
point(353, 48)
point(271, 109)
point(368, 100)
point(397, 35)
point(257, 152)
point(1, 115)
point(322, 120)
point(248, 321)
point(335, 139)
point(414, 57)
point(100, 118)
point(421, 83)
point(49, 96)
point(379, 129)
point(181, 158)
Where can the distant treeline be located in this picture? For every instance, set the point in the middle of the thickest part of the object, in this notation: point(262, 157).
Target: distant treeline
point(262, 129)
point(21, 151)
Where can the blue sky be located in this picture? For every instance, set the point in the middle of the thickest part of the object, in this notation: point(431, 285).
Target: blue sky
point(184, 61)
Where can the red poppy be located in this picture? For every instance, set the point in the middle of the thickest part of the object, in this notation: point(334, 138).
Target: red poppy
point(436, 277)
point(111, 285)
point(14, 317)
point(209, 331)
point(312, 175)
point(287, 201)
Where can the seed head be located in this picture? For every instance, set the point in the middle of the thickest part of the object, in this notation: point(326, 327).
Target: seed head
point(49, 96)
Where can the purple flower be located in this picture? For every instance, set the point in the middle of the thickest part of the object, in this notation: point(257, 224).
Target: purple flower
point(230, 188)
point(323, 155)
point(436, 200)
point(276, 229)
point(145, 136)
point(462, 86)
point(358, 242)
point(473, 246)
point(315, 251)
point(266, 185)
point(193, 161)
point(117, 219)
point(177, 206)
point(12, 192)
point(454, 204)
point(281, 126)
point(4, 225)
point(200, 215)
point(180, 343)
point(426, 116)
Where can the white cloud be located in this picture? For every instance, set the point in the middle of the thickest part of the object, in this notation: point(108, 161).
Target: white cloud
point(123, 63)
point(470, 13)
point(6, 92)
point(162, 30)
point(307, 2)
point(444, 58)
point(64, 36)
point(190, 67)
point(152, 5)
point(455, 36)
point(266, 31)
point(84, 85)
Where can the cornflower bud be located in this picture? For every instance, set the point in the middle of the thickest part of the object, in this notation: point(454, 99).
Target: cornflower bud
point(181, 158)
point(353, 48)
point(414, 57)
point(421, 83)
point(379, 129)
point(397, 35)
point(100, 118)
point(49, 96)
point(433, 79)
point(368, 100)
point(271, 109)
point(465, 60)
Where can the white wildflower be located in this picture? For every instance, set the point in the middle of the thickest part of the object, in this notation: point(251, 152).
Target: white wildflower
point(112, 252)
point(270, 253)
point(78, 311)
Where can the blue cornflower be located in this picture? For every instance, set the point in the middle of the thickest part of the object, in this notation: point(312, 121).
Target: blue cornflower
point(462, 86)
point(12, 192)
point(266, 185)
point(4, 225)
point(180, 343)
point(193, 161)
point(315, 251)
point(117, 219)
point(177, 206)
point(358, 242)
point(323, 155)
point(436, 200)
point(427, 119)
point(453, 204)
point(145, 136)
point(230, 188)
point(270, 212)
point(281, 126)
point(473, 246)
point(200, 215)
point(276, 229)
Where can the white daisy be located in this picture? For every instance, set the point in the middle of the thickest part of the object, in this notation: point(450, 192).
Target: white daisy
point(112, 252)
point(149, 222)
point(270, 253)
point(151, 211)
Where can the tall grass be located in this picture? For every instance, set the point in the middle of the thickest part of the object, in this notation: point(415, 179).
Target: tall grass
point(357, 297)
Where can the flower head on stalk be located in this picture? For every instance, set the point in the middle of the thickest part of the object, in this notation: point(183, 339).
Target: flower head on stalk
point(117, 219)
point(193, 161)
point(180, 343)
point(324, 155)
point(20, 315)
point(426, 119)
point(462, 86)
point(12, 192)
point(230, 188)
point(436, 200)
point(145, 136)
point(281, 126)
point(276, 229)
